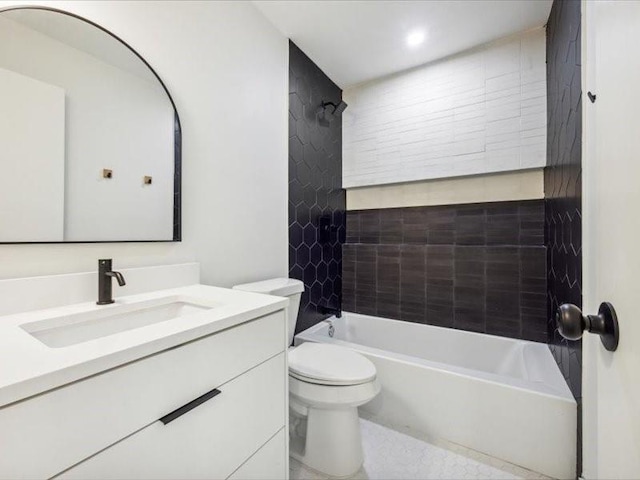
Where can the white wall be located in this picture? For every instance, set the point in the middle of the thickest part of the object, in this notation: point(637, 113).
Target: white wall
point(226, 68)
point(478, 112)
point(115, 120)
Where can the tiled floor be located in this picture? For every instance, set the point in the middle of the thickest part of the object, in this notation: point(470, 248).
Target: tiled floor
point(391, 455)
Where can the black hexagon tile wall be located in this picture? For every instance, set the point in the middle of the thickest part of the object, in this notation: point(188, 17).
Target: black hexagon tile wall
point(316, 198)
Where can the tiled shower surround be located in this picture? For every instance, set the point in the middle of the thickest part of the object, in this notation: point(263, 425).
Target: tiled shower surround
point(316, 197)
point(478, 267)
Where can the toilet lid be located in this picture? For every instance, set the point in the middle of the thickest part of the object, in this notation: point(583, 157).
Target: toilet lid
point(330, 365)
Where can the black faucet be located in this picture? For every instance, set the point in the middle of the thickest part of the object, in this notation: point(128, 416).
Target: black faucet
point(105, 274)
point(328, 310)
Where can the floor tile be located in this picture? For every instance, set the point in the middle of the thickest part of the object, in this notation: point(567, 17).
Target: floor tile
point(407, 455)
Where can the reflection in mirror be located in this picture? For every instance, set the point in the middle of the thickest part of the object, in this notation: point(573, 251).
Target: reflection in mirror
point(85, 124)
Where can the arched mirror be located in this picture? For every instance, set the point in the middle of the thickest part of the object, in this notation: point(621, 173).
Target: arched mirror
point(89, 135)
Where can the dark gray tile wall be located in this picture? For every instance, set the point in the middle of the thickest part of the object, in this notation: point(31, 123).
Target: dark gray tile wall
point(563, 187)
point(500, 223)
point(315, 189)
point(478, 267)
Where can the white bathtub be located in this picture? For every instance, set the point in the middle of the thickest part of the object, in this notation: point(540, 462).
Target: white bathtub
point(504, 397)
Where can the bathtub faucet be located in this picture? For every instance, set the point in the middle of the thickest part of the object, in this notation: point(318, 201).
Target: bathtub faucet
point(327, 310)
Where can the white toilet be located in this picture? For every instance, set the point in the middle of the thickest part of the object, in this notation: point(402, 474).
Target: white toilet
point(327, 383)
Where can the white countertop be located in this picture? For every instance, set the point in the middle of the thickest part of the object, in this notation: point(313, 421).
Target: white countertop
point(29, 367)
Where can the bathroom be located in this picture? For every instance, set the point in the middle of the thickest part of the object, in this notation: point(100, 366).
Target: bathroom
point(319, 239)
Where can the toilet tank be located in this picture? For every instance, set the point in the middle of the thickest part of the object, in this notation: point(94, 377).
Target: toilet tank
point(280, 287)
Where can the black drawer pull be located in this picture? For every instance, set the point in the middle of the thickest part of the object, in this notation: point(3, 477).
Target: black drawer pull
point(178, 412)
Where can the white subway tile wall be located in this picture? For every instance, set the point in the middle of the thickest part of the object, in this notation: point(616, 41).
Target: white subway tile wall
point(477, 112)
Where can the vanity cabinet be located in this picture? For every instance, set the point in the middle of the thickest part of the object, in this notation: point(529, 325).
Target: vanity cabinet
point(211, 408)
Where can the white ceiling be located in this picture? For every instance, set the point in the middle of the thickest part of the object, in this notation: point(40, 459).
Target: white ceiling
point(357, 41)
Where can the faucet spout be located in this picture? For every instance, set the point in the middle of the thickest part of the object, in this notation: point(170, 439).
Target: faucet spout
point(118, 276)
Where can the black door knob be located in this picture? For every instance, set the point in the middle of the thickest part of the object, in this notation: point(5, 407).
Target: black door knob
point(571, 323)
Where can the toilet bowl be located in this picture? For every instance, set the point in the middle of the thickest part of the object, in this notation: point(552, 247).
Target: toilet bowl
point(327, 384)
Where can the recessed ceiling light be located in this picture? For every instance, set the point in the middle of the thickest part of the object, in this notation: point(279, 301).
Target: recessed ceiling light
point(415, 38)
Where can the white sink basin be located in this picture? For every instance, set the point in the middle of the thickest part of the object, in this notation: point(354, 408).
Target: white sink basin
point(81, 327)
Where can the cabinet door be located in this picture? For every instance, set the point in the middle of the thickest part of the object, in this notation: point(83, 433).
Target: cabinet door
point(268, 463)
point(208, 442)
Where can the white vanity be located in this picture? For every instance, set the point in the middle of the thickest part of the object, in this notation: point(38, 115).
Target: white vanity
point(184, 382)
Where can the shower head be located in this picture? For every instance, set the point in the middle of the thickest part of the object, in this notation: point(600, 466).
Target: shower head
point(328, 111)
point(341, 107)
point(335, 110)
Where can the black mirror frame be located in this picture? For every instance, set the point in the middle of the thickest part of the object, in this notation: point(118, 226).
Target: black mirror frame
point(177, 174)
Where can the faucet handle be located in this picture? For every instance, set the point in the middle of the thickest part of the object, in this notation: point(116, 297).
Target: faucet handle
point(105, 263)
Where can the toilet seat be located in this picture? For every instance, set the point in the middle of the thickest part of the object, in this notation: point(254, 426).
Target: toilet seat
point(324, 364)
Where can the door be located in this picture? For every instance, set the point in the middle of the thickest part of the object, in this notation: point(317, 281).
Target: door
point(611, 235)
